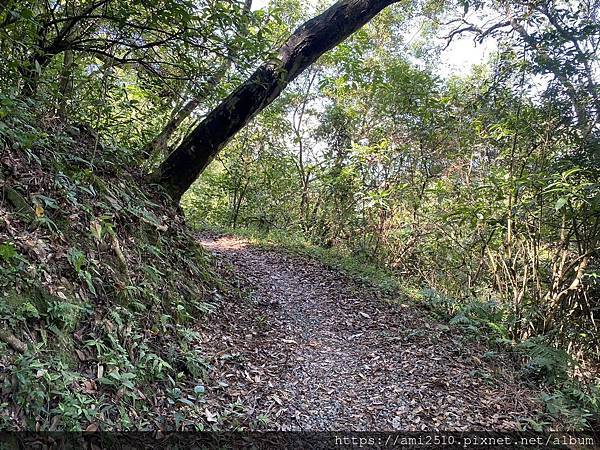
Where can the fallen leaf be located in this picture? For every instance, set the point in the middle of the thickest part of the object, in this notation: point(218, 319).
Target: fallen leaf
point(91, 428)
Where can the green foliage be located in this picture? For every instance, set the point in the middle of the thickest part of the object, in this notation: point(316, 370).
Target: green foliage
point(75, 284)
point(7, 252)
point(578, 406)
point(476, 193)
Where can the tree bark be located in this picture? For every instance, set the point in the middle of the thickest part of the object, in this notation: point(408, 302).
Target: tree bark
point(183, 166)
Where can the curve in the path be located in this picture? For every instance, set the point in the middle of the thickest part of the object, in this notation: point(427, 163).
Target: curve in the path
point(310, 349)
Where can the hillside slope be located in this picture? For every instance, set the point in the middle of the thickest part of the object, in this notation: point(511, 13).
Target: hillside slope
point(101, 284)
point(105, 298)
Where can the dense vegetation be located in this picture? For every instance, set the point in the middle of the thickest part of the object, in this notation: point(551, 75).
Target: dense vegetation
point(476, 193)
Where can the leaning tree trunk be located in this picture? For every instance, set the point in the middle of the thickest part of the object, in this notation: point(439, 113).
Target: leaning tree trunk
point(183, 166)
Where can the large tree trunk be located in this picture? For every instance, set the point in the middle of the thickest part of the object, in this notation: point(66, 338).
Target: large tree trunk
point(305, 46)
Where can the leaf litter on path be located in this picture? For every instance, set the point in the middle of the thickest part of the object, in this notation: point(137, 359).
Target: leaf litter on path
point(305, 352)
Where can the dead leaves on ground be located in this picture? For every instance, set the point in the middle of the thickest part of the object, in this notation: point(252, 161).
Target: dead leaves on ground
point(327, 358)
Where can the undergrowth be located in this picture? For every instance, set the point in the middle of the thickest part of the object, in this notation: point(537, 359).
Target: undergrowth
point(568, 395)
point(100, 287)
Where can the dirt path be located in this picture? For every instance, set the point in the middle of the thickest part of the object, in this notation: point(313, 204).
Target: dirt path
point(310, 349)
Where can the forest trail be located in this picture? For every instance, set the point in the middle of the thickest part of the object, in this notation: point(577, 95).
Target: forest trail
point(310, 349)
